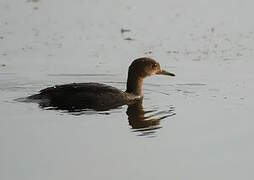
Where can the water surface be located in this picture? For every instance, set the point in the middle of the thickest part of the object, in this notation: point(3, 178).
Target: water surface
point(198, 125)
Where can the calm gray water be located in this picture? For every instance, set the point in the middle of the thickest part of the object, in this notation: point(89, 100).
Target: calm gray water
point(208, 129)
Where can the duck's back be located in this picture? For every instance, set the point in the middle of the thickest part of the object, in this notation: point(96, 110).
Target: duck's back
point(81, 95)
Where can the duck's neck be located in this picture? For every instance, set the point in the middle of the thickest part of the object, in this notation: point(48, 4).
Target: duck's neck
point(134, 84)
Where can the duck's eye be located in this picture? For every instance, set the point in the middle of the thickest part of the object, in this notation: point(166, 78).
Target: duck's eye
point(154, 65)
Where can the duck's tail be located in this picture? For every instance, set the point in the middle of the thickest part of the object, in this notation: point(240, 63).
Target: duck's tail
point(32, 98)
point(35, 96)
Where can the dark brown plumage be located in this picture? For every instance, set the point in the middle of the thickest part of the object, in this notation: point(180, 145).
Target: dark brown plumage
point(99, 96)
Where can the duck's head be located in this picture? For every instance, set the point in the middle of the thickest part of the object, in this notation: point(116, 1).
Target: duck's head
point(138, 70)
point(143, 67)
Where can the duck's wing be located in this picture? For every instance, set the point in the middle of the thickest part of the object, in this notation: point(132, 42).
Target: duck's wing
point(95, 88)
point(81, 95)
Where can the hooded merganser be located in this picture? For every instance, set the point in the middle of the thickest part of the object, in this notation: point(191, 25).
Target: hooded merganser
point(97, 96)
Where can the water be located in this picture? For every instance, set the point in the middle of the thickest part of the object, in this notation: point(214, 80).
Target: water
point(200, 122)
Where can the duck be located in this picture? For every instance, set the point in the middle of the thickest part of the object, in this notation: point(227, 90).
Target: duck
point(97, 96)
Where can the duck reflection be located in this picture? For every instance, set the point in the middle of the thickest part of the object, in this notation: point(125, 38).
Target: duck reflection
point(146, 122)
point(143, 121)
